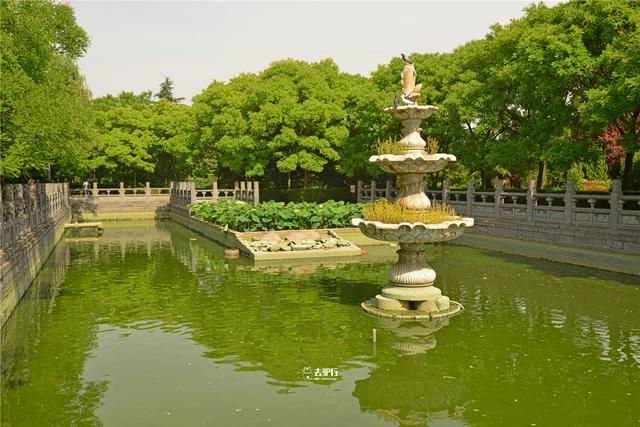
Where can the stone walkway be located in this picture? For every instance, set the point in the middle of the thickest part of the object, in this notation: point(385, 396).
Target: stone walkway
point(602, 260)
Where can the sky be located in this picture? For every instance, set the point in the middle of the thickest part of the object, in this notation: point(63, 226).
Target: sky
point(134, 45)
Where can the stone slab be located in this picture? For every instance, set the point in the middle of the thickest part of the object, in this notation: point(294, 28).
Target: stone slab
point(418, 293)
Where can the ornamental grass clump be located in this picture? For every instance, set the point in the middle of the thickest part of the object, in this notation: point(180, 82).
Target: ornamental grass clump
point(389, 146)
point(391, 213)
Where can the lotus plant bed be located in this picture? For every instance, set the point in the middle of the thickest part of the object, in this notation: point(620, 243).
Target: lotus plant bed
point(268, 230)
point(276, 216)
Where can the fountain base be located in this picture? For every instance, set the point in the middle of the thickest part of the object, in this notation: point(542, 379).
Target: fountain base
point(372, 306)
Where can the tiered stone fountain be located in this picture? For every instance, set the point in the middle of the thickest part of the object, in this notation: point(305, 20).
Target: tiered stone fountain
point(411, 293)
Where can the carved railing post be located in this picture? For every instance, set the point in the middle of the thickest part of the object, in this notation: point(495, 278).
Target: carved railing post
point(614, 204)
point(359, 192)
point(497, 199)
point(20, 214)
point(243, 191)
point(94, 190)
point(215, 191)
point(3, 223)
point(373, 190)
point(121, 192)
point(445, 191)
point(147, 193)
point(11, 212)
point(26, 197)
point(569, 202)
point(471, 187)
point(531, 200)
point(387, 191)
point(192, 192)
point(256, 192)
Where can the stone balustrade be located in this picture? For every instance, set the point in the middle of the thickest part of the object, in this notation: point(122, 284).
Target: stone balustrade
point(26, 209)
point(186, 193)
point(122, 191)
point(32, 219)
point(595, 220)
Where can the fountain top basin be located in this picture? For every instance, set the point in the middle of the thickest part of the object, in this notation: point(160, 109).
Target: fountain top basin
point(404, 112)
point(417, 232)
point(413, 162)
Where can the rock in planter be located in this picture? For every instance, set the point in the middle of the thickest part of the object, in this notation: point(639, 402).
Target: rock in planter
point(330, 243)
point(295, 247)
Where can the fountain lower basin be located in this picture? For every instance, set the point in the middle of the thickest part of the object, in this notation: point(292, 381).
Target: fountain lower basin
point(417, 162)
point(411, 293)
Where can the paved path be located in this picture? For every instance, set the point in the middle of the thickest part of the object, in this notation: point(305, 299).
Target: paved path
point(602, 260)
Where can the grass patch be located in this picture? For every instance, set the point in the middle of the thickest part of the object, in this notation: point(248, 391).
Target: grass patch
point(391, 213)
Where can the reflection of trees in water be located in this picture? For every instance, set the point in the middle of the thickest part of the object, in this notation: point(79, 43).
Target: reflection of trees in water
point(31, 353)
point(279, 321)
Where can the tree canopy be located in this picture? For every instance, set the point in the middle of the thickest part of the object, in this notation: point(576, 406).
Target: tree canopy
point(45, 106)
point(551, 95)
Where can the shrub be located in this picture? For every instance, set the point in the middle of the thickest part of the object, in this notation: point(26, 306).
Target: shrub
point(274, 216)
point(391, 213)
point(593, 186)
point(317, 195)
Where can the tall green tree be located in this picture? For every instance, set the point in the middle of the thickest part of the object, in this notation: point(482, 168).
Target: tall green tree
point(173, 128)
point(125, 137)
point(612, 98)
point(166, 91)
point(45, 110)
point(290, 118)
point(138, 139)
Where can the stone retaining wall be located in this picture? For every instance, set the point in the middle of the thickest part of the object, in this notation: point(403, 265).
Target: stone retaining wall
point(33, 218)
point(89, 208)
point(578, 235)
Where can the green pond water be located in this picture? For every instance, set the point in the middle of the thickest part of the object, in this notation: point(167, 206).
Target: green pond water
point(149, 325)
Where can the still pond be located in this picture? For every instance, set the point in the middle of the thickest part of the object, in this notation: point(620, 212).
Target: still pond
point(149, 325)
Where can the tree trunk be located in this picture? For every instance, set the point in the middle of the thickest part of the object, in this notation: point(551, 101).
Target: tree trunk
point(628, 170)
point(306, 179)
point(435, 177)
point(540, 174)
point(289, 181)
